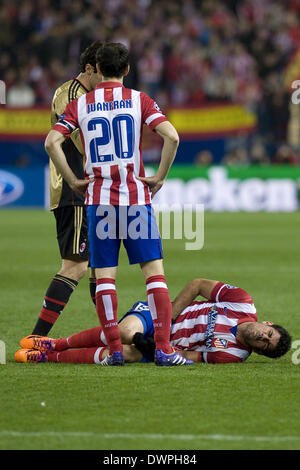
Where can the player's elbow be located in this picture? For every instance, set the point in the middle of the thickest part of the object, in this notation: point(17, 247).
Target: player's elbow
point(168, 132)
point(53, 140)
point(204, 287)
point(174, 138)
point(197, 282)
point(198, 287)
point(49, 143)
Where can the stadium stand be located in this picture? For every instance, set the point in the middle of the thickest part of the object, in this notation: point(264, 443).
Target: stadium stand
point(185, 53)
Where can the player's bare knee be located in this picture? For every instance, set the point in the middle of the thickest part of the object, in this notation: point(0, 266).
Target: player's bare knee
point(81, 271)
point(152, 268)
point(74, 269)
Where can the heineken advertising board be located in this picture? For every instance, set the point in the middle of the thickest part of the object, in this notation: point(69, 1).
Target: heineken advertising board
point(217, 188)
point(220, 189)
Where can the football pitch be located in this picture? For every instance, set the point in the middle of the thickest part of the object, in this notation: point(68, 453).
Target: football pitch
point(254, 405)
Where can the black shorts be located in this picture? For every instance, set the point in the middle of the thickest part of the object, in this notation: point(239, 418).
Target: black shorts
point(72, 231)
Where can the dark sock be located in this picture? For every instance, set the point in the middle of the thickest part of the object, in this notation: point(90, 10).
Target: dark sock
point(56, 298)
point(93, 284)
point(145, 346)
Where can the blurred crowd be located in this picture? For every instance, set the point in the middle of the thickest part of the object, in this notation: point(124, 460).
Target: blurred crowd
point(183, 52)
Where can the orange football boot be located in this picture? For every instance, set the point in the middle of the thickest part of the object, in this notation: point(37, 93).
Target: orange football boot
point(30, 355)
point(42, 343)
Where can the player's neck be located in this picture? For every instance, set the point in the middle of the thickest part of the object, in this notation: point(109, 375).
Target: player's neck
point(114, 79)
point(84, 81)
point(240, 333)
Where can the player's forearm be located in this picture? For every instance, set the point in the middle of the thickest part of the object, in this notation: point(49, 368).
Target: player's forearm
point(131, 354)
point(167, 156)
point(193, 355)
point(185, 298)
point(194, 289)
point(55, 152)
point(171, 141)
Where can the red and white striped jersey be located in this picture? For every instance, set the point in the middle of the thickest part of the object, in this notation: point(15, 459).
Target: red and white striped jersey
point(110, 120)
point(210, 326)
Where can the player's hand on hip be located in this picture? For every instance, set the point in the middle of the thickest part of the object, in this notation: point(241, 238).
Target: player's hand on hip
point(152, 182)
point(80, 186)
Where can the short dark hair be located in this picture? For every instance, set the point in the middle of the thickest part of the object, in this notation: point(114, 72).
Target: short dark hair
point(88, 56)
point(113, 59)
point(283, 344)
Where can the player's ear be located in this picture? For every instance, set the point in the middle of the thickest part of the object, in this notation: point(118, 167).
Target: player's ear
point(89, 69)
point(267, 323)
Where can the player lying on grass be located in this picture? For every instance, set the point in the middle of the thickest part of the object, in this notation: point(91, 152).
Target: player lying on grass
point(222, 329)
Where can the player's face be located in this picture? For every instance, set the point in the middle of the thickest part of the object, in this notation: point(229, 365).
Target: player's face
point(262, 336)
point(95, 78)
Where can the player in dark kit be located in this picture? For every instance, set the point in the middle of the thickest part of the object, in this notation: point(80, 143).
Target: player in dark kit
point(67, 205)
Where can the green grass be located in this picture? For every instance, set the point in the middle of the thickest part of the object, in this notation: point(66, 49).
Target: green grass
point(237, 406)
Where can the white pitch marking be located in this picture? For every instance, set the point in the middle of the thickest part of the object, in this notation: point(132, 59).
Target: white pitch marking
point(179, 437)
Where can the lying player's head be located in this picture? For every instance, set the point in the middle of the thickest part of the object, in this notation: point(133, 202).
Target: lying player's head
point(268, 339)
point(113, 60)
point(283, 344)
point(87, 62)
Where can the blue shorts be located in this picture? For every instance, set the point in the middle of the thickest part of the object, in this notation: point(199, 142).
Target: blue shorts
point(134, 225)
point(142, 311)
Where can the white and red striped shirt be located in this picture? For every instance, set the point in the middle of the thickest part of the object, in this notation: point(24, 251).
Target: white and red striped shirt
point(210, 326)
point(110, 120)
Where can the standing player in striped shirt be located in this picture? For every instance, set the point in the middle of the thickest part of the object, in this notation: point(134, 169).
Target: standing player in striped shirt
point(118, 198)
point(221, 329)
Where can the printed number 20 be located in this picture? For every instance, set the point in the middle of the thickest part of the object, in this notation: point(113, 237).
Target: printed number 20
point(122, 149)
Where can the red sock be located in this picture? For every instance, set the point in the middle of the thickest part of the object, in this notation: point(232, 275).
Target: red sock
point(84, 339)
point(107, 310)
point(161, 311)
point(77, 356)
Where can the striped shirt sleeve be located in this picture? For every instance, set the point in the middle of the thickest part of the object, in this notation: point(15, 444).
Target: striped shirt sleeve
point(229, 356)
point(225, 357)
point(68, 121)
point(151, 114)
point(227, 293)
